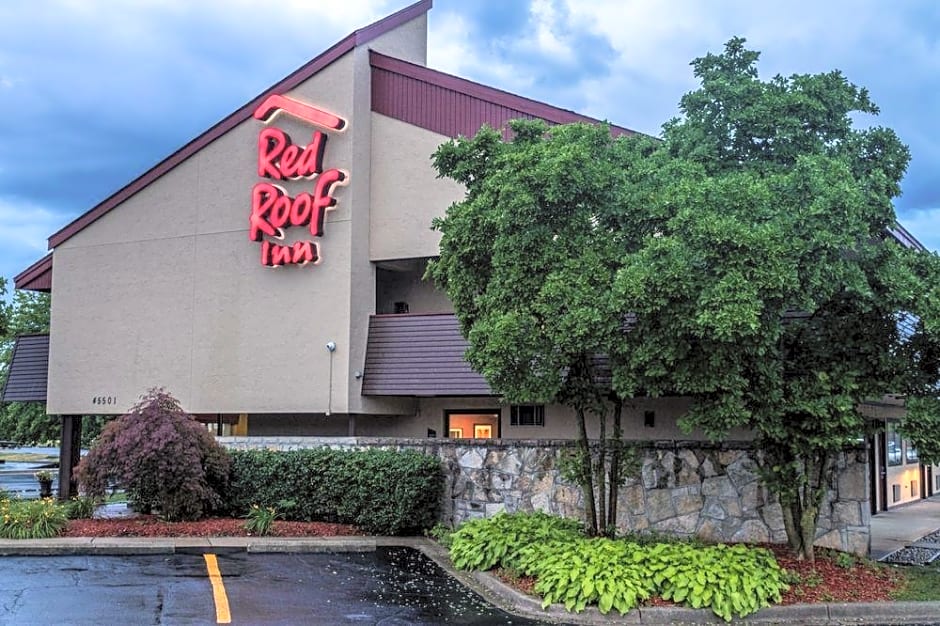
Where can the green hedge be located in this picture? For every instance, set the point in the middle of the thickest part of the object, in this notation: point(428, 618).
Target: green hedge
point(382, 491)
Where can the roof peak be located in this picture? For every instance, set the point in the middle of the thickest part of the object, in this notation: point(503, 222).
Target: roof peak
point(357, 38)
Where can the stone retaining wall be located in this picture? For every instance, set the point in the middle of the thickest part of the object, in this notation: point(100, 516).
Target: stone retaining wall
point(682, 488)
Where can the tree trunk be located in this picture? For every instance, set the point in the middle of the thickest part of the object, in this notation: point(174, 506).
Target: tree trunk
point(614, 486)
point(802, 505)
point(587, 485)
point(602, 473)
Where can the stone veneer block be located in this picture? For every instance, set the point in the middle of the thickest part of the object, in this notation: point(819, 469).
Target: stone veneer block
point(684, 488)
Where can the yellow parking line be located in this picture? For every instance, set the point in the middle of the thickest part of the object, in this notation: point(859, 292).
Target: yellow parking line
point(222, 614)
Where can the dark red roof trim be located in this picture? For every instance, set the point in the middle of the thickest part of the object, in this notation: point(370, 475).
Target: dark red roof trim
point(453, 106)
point(29, 370)
point(358, 38)
point(36, 277)
point(418, 355)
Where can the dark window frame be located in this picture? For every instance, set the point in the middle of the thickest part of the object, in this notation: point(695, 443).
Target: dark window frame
point(527, 415)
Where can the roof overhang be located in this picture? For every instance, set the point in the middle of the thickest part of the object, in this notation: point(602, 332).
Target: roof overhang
point(36, 277)
point(419, 355)
point(28, 378)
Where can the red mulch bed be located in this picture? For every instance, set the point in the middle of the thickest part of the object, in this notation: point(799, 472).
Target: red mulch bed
point(825, 581)
point(822, 581)
point(152, 526)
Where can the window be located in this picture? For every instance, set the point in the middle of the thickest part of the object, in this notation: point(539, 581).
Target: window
point(912, 456)
point(893, 441)
point(527, 415)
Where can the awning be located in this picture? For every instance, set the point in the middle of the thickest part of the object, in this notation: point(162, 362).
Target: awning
point(29, 370)
point(419, 355)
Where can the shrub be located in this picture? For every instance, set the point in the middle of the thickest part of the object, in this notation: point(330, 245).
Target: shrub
point(81, 507)
point(588, 571)
point(482, 544)
point(730, 580)
point(162, 457)
point(31, 519)
point(381, 491)
point(260, 520)
point(619, 574)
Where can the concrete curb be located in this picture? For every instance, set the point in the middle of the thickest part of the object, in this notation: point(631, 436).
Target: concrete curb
point(486, 585)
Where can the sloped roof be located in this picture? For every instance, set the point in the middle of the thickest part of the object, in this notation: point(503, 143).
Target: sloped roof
point(29, 370)
point(36, 277)
point(419, 355)
point(450, 105)
point(357, 38)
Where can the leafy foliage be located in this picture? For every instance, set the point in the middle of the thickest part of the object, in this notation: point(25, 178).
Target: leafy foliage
point(528, 259)
point(619, 574)
point(484, 543)
point(162, 457)
point(745, 261)
point(730, 580)
point(260, 520)
point(381, 491)
point(765, 284)
point(81, 507)
point(589, 571)
point(31, 519)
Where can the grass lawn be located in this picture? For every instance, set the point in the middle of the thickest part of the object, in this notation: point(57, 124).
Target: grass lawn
point(28, 457)
point(919, 583)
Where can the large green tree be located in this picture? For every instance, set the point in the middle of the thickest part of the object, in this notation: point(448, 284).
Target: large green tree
point(770, 289)
point(744, 261)
point(528, 258)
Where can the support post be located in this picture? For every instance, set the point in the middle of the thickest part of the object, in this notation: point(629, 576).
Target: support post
point(351, 425)
point(70, 450)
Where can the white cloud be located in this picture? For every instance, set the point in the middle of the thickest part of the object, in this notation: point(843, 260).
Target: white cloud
point(26, 226)
point(455, 47)
point(545, 39)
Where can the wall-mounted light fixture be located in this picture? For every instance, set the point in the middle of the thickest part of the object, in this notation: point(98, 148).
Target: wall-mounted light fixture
point(331, 348)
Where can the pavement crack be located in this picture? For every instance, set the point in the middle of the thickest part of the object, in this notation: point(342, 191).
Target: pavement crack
point(158, 612)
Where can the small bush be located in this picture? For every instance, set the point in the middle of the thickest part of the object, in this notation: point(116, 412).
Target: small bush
point(31, 519)
point(381, 491)
point(588, 571)
point(162, 457)
point(260, 520)
point(619, 574)
point(81, 507)
point(441, 533)
point(482, 544)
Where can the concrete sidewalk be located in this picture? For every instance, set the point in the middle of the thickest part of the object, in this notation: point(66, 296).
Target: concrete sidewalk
point(903, 526)
point(486, 585)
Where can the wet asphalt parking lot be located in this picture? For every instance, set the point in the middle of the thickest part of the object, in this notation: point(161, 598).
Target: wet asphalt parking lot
point(390, 587)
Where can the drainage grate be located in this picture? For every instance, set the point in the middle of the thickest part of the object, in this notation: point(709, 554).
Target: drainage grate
point(912, 556)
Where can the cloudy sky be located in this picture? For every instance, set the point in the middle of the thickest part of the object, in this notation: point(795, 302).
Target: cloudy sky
point(94, 92)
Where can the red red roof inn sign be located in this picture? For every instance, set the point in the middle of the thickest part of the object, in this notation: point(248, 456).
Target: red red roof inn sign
point(279, 159)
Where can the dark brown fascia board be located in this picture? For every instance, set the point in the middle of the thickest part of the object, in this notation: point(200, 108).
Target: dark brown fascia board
point(32, 272)
point(489, 94)
point(357, 38)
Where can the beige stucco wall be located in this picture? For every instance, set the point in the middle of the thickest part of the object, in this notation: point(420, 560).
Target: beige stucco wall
point(409, 286)
point(167, 290)
point(406, 193)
